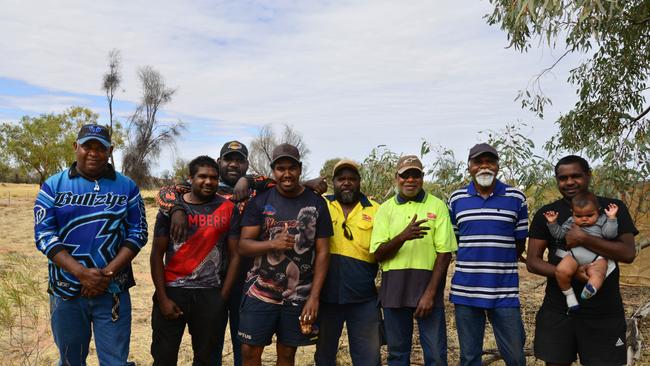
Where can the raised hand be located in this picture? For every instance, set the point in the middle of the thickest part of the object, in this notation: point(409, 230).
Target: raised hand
point(551, 216)
point(611, 210)
point(283, 240)
point(414, 230)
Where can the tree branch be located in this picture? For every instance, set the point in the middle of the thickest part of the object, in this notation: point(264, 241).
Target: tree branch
point(642, 21)
point(637, 118)
point(552, 66)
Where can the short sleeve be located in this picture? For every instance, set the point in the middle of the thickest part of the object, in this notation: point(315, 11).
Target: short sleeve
point(252, 214)
point(625, 223)
point(444, 238)
point(538, 228)
point(452, 217)
point(235, 224)
point(380, 229)
point(161, 228)
point(324, 222)
point(521, 229)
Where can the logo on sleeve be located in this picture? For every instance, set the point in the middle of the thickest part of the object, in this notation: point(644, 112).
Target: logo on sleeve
point(431, 216)
point(619, 342)
point(39, 214)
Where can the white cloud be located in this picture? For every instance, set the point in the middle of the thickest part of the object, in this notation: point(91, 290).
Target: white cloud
point(348, 74)
point(41, 103)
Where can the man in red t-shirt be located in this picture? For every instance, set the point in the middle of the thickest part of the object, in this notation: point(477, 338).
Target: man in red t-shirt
point(192, 284)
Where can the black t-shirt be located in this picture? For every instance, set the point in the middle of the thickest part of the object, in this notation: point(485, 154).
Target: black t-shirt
point(607, 302)
point(286, 276)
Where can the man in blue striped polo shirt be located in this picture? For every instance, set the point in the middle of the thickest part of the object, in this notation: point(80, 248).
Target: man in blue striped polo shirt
point(490, 219)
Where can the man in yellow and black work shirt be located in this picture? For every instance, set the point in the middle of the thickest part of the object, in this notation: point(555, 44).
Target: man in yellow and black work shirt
point(349, 294)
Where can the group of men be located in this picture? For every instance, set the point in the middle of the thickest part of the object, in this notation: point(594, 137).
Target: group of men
point(275, 258)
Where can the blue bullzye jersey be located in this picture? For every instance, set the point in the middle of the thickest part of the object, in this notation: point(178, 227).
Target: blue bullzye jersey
point(91, 220)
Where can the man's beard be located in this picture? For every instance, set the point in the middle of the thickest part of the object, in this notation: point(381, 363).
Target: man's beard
point(484, 178)
point(347, 196)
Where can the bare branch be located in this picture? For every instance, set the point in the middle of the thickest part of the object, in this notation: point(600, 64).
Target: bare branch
point(548, 69)
point(148, 135)
point(645, 112)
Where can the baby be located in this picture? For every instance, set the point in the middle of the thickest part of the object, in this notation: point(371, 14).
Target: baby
point(585, 214)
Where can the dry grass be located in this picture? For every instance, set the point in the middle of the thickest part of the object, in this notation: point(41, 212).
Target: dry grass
point(16, 226)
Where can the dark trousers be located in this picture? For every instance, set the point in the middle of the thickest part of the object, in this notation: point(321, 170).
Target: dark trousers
point(232, 310)
point(203, 313)
point(364, 333)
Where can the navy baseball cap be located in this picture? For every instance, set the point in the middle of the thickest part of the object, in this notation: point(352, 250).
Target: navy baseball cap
point(480, 149)
point(94, 132)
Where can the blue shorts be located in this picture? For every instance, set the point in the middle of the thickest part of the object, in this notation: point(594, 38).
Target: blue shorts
point(259, 320)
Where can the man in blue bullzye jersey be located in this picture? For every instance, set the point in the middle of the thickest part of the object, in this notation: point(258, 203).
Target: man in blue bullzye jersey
point(90, 222)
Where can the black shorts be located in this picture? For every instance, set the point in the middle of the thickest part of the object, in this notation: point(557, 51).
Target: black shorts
point(560, 337)
point(258, 321)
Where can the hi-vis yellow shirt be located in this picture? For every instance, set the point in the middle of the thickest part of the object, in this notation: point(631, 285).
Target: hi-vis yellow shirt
point(352, 269)
point(359, 223)
point(395, 214)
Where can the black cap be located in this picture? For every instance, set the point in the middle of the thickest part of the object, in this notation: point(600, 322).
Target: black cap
point(94, 132)
point(285, 151)
point(234, 146)
point(480, 149)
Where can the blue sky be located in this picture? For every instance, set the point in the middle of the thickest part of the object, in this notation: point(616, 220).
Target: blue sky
point(349, 75)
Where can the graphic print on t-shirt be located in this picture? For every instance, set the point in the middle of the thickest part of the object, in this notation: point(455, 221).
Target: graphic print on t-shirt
point(198, 261)
point(287, 275)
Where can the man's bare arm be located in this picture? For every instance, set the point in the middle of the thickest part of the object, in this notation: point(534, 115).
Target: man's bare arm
point(426, 302)
point(169, 309)
point(535, 262)
point(233, 267)
point(321, 264)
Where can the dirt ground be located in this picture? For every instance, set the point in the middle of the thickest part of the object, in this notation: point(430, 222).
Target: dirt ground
point(16, 241)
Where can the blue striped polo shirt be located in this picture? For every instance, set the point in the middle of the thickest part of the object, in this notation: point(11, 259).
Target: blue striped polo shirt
point(486, 264)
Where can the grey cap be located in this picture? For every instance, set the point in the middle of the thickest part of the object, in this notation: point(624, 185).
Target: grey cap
point(285, 151)
point(480, 149)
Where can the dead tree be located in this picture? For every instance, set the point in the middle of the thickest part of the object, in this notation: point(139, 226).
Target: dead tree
point(146, 134)
point(112, 81)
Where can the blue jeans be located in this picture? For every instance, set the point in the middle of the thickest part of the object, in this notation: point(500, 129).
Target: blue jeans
point(508, 331)
point(398, 324)
point(72, 320)
point(363, 323)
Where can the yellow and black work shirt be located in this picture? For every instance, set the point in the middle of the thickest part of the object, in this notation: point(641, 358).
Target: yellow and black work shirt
point(352, 269)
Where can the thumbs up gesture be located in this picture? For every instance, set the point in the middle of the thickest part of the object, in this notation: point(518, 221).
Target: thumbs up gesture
point(283, 240)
